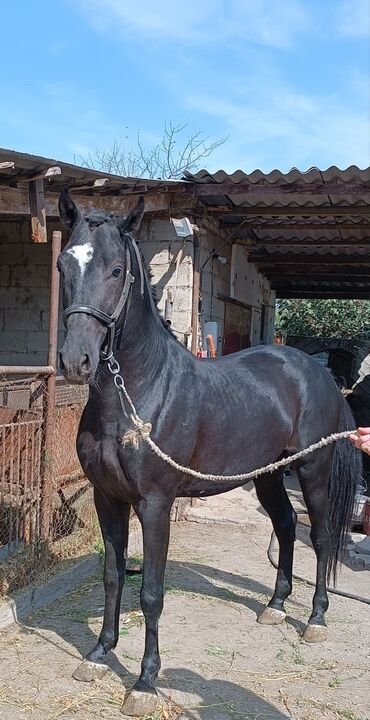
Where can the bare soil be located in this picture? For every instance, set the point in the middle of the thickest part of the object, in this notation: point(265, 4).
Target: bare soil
point(217, 662)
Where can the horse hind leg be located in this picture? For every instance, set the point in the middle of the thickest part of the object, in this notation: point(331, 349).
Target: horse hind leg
point(274, 499)
point(313, 477)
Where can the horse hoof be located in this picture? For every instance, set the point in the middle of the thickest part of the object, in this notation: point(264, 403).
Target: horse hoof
point(139, 703)
point(315, 633)
point(271, 616)
point(88, 671)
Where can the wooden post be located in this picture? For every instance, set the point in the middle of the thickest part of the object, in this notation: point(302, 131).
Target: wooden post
point(37, 210)
point(47, 465)
point(195, 297)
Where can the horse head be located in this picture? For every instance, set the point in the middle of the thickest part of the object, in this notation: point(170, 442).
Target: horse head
point(95, 274)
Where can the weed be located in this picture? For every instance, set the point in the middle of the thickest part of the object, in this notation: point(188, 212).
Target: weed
point(216, 650)
point(280, 655)
point(81, 615)
point(335, 682)
point(297, 656)
point(348, 714)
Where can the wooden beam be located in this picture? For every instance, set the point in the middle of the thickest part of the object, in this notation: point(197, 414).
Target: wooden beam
point(260, 243)
point(326, 276)
point(335, 293)
point(246, 228)
point(47, 173)
point(15, 201)
point(290, 211)
point(342, 189)
point(6, 166)
point(286, 259)
point(38, 212)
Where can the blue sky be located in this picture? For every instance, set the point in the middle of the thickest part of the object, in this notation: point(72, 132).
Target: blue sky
point(286, 80)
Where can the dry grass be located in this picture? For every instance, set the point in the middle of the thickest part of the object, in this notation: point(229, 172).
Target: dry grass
point(34, 565)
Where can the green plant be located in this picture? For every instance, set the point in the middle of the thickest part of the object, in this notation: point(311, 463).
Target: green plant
point(323, 318)
point(335, 682)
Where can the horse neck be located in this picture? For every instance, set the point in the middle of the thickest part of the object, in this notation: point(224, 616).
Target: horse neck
point(145, 342)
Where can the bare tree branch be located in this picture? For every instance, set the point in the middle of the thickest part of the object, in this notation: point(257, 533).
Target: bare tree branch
point(167, 159)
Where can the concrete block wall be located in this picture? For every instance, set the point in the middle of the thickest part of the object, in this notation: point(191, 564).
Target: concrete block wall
point(170, 259)
point(24, 295)
point(215, 276)
point(252, 288)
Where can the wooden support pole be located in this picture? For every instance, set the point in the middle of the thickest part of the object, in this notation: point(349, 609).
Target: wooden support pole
point(195, 297)
point(47, 465)
point(38, 212)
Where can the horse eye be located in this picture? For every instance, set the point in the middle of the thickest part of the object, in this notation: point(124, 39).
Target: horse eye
point(116, 271)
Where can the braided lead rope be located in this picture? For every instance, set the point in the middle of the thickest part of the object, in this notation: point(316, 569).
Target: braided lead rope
point(143, 429)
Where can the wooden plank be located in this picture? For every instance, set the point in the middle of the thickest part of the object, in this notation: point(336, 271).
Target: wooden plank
point(19, 178)
point(286, 259)
point(37, 211)
point(260, 243)
point(290, 210)
point(338, 189)
point(246, 228)
point(7, 165)
point(336, 293)
point(296, 276)
point(15, 201)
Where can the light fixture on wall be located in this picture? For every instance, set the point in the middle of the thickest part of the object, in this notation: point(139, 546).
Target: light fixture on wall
point(221, 258)
point(183, 227)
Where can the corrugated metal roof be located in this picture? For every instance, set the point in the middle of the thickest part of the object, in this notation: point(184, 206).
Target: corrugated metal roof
point(318, 219)
point(309, 232)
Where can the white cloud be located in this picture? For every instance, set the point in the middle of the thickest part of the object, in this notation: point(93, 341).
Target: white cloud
point(266, 22)
point(290, 127)
point(353, 18)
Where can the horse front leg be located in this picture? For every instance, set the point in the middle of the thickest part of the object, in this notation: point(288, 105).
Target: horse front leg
point(154, 515)
point(114, 524)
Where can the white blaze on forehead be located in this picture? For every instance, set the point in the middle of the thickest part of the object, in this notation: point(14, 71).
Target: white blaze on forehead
point(83, 255)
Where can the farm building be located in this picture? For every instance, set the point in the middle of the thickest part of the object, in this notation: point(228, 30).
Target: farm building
point(220, 247)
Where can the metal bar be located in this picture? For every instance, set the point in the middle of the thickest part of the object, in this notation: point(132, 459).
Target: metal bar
point(26, 370)
point(46, 486)
point(195, 297)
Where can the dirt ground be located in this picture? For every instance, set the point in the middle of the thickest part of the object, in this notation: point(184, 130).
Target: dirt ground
point(217, 662)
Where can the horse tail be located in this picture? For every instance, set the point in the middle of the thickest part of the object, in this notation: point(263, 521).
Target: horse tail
point(345, 474)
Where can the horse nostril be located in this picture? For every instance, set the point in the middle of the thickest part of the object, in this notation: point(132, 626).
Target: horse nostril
point(85, 364)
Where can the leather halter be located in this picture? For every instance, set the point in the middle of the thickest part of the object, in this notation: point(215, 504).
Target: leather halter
point(110, 321)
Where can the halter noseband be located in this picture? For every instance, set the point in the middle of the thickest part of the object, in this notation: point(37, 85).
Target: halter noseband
point(110, 321)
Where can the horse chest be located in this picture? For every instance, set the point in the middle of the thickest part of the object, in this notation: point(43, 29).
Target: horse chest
point(101, 463)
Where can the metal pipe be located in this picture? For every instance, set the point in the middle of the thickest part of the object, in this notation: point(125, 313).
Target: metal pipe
point(47, 471)
point(195, 297)
point(26, 370)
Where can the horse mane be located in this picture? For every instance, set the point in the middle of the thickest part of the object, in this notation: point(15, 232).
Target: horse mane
point(153, 290)
point(98, 217)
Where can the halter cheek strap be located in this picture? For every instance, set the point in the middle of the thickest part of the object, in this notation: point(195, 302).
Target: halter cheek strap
point(110, 321)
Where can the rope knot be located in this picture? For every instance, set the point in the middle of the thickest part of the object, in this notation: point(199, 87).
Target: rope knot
point(133, 436)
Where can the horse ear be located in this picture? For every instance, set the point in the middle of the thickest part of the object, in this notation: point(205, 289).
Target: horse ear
point(68, 211)
point(132, 222)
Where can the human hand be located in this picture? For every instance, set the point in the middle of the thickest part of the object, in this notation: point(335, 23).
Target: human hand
point(362, 439)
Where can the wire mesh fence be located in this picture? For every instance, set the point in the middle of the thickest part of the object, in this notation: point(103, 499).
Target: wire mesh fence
point(45, 500)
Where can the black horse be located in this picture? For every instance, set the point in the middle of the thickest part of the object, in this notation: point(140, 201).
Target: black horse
point(222, 416)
